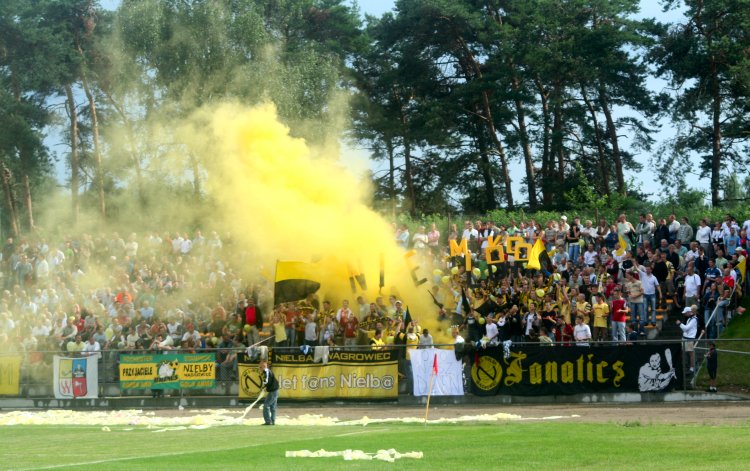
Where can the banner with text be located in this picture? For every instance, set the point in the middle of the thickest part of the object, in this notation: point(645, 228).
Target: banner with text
point(250, 382)
point(449, 378)
point(168, 371)
point(76, 378)
point(10, 373)
point(542, 370)
point(347, 375)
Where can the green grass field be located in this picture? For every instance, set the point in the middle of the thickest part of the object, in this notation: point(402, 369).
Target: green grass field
point(734, 368)
point(530, 445)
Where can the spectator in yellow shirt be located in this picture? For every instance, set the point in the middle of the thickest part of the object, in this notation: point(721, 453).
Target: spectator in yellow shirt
point(377, 342)
point(601, 313)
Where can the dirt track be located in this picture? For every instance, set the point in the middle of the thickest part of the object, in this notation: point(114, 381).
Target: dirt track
point(711, 413)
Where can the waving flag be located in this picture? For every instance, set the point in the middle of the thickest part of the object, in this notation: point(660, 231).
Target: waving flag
point(294, 281)
point(623, 246)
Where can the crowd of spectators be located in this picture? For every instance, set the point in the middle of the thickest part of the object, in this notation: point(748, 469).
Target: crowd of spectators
point(88, 295)
point(604, 282)
point(600, 282)
point(179, 291)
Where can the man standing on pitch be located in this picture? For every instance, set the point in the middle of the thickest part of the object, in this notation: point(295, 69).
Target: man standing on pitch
point(271, 385)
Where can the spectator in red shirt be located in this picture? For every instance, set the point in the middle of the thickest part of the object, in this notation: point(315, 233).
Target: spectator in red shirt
point(253, 319)
point(619, 311)
point(351, 330)
point(728, 279)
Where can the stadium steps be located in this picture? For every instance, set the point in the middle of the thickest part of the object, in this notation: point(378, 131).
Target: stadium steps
point(653, 331)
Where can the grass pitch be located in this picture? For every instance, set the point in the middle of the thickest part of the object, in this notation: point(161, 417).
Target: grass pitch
point(554, 445)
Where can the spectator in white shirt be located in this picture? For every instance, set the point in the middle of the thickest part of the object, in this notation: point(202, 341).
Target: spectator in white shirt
point(92, 347)
point(690, 333)
point(650, 289)
point(590, 255)
point(692, 287)
point(703, 235)
point(581, 332)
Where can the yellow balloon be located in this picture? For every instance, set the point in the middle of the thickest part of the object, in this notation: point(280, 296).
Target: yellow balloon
point(454, 270)
point(540, 293)
point(477, 272)
point(437, 272)
point(494, 268)
point(446, 279)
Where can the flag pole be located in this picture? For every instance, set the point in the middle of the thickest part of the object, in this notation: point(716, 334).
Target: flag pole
point(429, 393)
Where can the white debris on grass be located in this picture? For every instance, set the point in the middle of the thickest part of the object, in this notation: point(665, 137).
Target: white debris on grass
point(132, 417)
point(390, 455)
point(202, 419)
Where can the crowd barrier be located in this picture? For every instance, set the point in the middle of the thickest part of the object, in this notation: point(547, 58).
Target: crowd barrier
point(355, 372)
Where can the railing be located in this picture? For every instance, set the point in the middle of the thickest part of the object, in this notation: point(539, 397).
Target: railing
point(710, 320)
point(37, 367)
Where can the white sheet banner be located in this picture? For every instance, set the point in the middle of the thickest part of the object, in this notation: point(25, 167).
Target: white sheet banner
point(75, 378)
point(449, 379)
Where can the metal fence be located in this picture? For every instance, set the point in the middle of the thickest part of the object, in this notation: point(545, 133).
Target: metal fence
point(36, 372)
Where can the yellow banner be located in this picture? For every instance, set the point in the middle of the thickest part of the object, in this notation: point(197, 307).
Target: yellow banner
point(250, 381)
point(167, 371)
point(372, 375)
point(10, 373)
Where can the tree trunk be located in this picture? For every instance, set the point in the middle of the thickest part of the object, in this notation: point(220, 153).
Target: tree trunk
point(715, 135)
point(73, 115)
point(557, 135)
point(9, 200)
point(391, 175)
point(547, 182)
point(409, 179)
point(599, 142)
point(411, 199)
point(490, 123)
point(25, 158)
point(133, 148)
point(525, 145)
point(99, 172)
point(499, 148)
point(505, 174)
point(612, 131)
point(27, 200)
point(486, 169)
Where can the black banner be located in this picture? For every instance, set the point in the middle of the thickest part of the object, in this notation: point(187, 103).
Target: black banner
point(553, 370)
point(285, 356)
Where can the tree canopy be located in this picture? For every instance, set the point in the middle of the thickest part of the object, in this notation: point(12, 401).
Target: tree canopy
point(457, 101)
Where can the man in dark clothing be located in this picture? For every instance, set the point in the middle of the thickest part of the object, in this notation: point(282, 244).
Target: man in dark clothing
point(271, 386)
point(661, 272)
point(674, 256)
point(661, 233)
point(711, 365)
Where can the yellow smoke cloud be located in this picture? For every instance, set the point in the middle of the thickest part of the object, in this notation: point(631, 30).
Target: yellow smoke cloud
point(283, 200)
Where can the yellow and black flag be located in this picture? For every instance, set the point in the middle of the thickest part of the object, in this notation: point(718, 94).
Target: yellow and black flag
point(294, 281)
point(539, 258)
